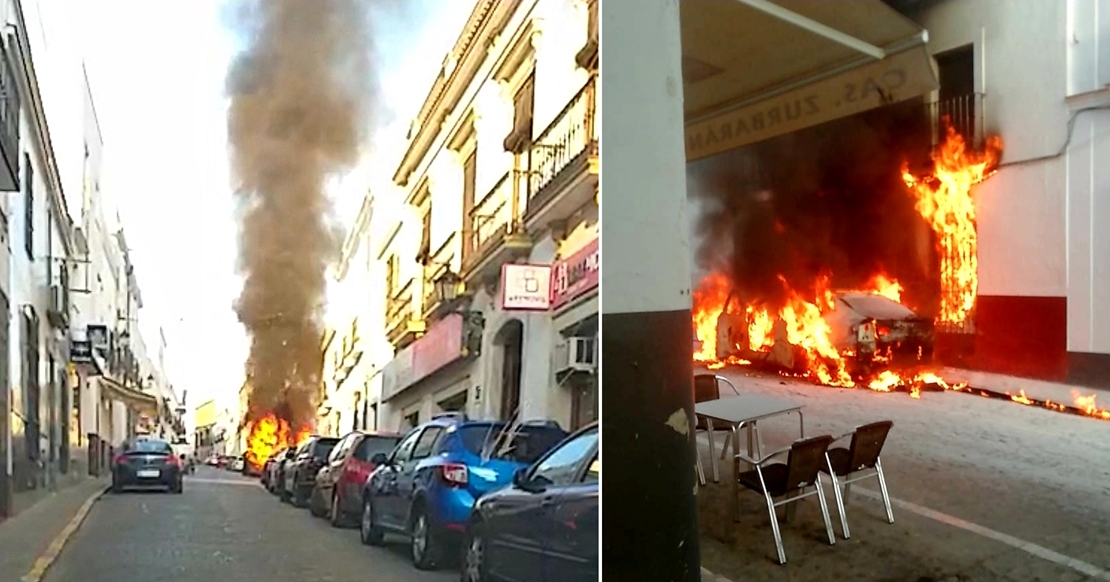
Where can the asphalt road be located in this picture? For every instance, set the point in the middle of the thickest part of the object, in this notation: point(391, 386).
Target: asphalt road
point(224, 528)
point(1037, 475)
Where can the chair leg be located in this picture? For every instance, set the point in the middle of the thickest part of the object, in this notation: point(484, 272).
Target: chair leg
point(698, 467)
point(847, 492)
point(825, 511)
point(882, 486)
point(775, 529)
point(840, 506)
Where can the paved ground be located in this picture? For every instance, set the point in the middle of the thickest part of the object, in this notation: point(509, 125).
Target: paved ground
point(227, 528)
point(990, 490)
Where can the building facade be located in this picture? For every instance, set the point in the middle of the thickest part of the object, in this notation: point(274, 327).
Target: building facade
point(1042, 218)
point(487, 240)
point(75, 379)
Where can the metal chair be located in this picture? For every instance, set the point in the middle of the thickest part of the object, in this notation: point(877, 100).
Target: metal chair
point(708, 387)
point(858, 461)
point(800, 472)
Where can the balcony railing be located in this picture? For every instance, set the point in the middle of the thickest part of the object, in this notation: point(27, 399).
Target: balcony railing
point(570, 135)
point(495, 214)
point(964, 113)
point(438, 264)
point(398, 308)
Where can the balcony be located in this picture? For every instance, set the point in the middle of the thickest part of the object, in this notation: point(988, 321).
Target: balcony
point(563, 161)
point(9, 123)
point(401, 327)
point(964, 113)
point(494, 229)
point(439, 263)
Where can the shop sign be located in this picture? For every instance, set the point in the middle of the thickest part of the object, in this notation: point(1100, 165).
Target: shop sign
point(575, 275)
point(442, 345)
point(525, 287)
point(80, 352)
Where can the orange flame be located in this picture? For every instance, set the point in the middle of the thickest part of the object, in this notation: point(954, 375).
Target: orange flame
point(945, 201)
point(269, 435)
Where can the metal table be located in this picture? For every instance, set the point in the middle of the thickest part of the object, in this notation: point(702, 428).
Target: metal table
point(743, 411)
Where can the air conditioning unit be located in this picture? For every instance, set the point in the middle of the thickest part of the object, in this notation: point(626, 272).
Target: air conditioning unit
point(576, 354)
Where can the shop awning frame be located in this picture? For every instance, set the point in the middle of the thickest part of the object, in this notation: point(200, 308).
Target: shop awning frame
point(135, 398)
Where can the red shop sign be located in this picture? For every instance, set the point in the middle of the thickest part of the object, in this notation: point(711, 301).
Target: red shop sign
point(575, 275)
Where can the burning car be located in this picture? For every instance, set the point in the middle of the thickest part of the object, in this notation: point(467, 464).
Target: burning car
point(866, 331)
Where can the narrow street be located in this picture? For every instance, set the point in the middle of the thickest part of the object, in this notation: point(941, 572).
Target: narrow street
point(224, 527)
point(988, 474)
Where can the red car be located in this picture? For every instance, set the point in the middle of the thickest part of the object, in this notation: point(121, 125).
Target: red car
point(338, 485)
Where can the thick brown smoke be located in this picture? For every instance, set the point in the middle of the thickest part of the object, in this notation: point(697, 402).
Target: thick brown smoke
point(828, 199)
point(301, 94)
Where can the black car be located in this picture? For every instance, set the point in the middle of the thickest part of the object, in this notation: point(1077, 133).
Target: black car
point(545, 525)
point(147, 462)
point(299, 473)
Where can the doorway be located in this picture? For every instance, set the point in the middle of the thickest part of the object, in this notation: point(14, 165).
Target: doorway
point(511, 340)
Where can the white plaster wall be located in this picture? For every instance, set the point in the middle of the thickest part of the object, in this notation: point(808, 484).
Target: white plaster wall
point(650, 197)
point(1088, 42)
point(563, 30)
point(1088, 227)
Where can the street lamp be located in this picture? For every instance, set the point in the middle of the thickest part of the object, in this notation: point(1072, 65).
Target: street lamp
point(447, 286)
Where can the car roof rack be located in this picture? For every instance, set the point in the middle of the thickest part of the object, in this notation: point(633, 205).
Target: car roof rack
point(455, 414)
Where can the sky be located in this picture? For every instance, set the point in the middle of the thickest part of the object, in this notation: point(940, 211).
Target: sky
point(157, 71)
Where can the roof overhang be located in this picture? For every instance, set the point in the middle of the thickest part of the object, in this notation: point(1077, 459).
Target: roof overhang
point(757, 69)
point(137, 399)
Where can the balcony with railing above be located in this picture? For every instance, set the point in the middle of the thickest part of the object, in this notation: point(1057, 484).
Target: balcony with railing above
point(964, 113)
point(9, 121)
point(563, 164)
point(494, 228)
point(401, 326)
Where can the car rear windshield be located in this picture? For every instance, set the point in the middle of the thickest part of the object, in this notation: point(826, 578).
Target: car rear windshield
point(373, 445)
point(323, 447)
point(525, 445)
point(150, 446)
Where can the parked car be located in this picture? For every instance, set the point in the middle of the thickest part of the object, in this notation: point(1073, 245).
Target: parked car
point(545, 525)
point(338, 490)
point(147, 462)
point(264, 477)
point(276, 480)
point(236, 464)
point(299, 474)
point(426, 487)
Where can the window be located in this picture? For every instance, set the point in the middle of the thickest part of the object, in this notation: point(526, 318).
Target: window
point(150, 446)
point(426, 442)
point(426, 231)
point(341, 448)
point(561, 466)
point(404, 450)
point(593, 472)
point(392, 274)
point(373, 445)
point(521, 136)
point(470, 178)
point(28, 207)
point(30, 324)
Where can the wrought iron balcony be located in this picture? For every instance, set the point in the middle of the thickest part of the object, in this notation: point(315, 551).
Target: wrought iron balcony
point(398, 310)
point(439, 263)
point(964, 113)
point(566, 150)
point(494, 227)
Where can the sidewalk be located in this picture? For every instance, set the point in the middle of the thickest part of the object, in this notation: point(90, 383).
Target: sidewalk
point(26, 536)
point(912, 549)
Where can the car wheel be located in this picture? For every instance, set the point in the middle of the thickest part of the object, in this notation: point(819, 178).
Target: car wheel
point(316, 503)
point(116, 487)
point(283, 494)
point(368, 531)
point(426, 546)
point(336, 516)
point(297, 497)
point(474, 564)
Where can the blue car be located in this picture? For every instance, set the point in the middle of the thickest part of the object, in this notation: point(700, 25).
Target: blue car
point(426, 487)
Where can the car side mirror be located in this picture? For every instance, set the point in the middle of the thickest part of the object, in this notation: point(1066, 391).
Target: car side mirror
point(379, 459)
point(522, 481)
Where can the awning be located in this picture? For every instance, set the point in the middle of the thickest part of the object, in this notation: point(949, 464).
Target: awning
point(757, 69)
point(135, 398)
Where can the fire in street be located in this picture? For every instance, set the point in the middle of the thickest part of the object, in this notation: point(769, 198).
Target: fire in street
point(863, 329)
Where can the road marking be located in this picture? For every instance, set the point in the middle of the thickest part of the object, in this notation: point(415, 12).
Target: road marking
point(55, 548)
point(1027, 547)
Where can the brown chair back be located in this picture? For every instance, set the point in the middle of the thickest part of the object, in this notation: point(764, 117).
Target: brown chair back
point(867, 444)
point(806, 458)
point(706, 388)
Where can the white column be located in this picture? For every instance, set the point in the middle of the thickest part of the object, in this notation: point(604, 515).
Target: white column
point(647, 383)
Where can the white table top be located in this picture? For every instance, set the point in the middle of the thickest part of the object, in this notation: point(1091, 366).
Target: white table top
point(744, 408)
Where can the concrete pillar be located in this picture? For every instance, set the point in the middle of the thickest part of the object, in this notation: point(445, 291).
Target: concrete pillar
point(650, 508)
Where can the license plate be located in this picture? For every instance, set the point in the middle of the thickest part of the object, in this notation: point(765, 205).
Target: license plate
point(148, 474)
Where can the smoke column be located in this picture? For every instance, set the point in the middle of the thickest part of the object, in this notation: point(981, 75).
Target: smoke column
point(825, 199)
point(301, 97)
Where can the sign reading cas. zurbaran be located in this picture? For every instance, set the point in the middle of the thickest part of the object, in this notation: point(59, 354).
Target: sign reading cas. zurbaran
point(898, 77)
